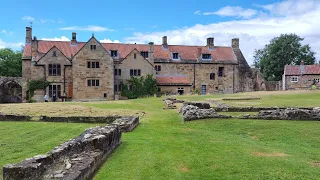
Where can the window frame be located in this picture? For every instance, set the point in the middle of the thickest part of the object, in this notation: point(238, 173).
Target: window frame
point(54, 70)
point(114, 53)
point(157, 68)
point(93, 47)
point(221, 71)
point(294, 79)
point(54, 54)
point(54, 88)
point(203, 56)
point(93, 64)
point(173, 56)
point(212, 76)
point(93, 82)
point(145, 54)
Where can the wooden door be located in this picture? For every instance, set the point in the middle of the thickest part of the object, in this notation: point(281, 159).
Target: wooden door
point(70, 90)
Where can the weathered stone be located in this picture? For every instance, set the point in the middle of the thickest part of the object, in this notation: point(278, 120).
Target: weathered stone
point(201, 105)
point(14, 118)
point(190, 112)
point(76, 159)
point(127, 124)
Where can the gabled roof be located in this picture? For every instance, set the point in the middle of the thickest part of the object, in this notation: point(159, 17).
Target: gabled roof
point(173, 80)
point(297, 70)
point(189, 53)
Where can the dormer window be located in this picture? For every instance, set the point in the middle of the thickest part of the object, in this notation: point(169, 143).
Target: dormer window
point(54, 53)
point(206, 56)
point(144, 54)
point(93, 47)
point(175, 56)
point(114, 53)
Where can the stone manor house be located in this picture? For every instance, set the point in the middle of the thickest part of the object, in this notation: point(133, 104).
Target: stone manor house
point(94, 71)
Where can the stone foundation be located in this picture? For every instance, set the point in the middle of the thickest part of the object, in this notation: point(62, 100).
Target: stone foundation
point(127, 124)
point(201, 105)
point(14, 117)
point(287, 114)
point(190, 112)
point(78, 158)
point(80, 119)
point(253, 109)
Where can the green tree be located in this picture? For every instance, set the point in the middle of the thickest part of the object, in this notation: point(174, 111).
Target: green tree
point(10, 63)
point(141, 87)
point(284, 50)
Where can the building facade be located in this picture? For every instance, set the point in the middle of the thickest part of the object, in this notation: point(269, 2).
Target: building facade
point(301, 76)
point(95, 71)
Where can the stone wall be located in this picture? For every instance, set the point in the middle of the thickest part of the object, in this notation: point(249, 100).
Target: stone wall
point(304, 82)
point(78, 158)
point(174, 89)
point(105, 74)
point(199, 75)
point(14, 117)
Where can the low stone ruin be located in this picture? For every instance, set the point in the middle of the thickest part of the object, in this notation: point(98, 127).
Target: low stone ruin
point(170, 103)
point(241, 99)
point(77, 158)
point(287, 114)
point(253, 109)
point(191, 112)
point(80, 119)
point(200, 105)
point(127, 123)
point(14, 117)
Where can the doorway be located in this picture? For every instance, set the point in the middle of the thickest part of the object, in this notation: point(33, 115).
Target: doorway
point(180, 91)
point(204, 89)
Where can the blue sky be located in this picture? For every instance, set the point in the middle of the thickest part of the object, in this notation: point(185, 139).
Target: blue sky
point(141, 21)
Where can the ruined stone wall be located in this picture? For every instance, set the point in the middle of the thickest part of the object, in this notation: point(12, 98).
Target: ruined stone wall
point(26, 75)
point(105, 74)
point(304, 82)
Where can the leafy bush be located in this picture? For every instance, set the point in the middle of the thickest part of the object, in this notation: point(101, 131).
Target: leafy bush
point(195, 91)
point(141, 87)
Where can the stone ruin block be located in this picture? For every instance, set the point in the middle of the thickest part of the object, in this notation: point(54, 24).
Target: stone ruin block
point(200, 105)
point(77, 158)
point(190, 112)
point(127, 124)
point(14, 117)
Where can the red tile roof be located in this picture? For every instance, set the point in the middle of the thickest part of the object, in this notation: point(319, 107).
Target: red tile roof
point(172, 80)
point(185, 52)
point(291, 70)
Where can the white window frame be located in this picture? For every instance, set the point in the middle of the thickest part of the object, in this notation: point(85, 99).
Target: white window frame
point(174, 58)
point(294, 79)
point(206, 59)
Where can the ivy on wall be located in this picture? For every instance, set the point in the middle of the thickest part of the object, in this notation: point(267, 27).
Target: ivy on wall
point(34, 85)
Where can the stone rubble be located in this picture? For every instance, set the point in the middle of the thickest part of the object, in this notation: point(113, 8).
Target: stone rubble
point(191, 112)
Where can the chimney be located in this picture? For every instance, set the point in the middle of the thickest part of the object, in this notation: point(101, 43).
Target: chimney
point(74, 38)
point(28, 34)
point(235, 43)
point(151, 52)
point(34, 47)
point(210, 42)
point(165, 42)
point(199, 53)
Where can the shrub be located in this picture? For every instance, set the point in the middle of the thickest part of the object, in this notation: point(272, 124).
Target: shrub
point(141, 87)
point(36, 84)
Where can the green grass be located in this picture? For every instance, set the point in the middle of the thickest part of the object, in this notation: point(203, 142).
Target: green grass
point(164, 147)
point(20, 140)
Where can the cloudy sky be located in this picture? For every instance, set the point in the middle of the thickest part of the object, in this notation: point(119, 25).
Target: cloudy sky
point(141, 21)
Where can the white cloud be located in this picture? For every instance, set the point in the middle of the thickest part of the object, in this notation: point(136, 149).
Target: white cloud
point(197, 12)
point(234, 11)
point(28, 18)
point(254, 32)
point(8, 33)
point(10, 45)
point(109, 41)
point(291, 7)
point(91, 28)
point(62, 38)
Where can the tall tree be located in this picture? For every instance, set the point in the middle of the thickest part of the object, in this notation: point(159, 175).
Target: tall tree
point(10, 63)
point(284, 50)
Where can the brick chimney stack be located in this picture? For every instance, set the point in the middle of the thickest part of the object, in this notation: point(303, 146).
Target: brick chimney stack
point(34, 47)
point(235, 43)
point(28, 34)
point(165, 42)
point(210, 42)
point(74, 38)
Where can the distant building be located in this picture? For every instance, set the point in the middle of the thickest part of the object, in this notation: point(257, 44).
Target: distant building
point(300, 76)
point(94, 71)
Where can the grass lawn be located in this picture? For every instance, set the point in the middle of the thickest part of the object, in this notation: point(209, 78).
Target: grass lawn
point(20, 140)
point(164, 147)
